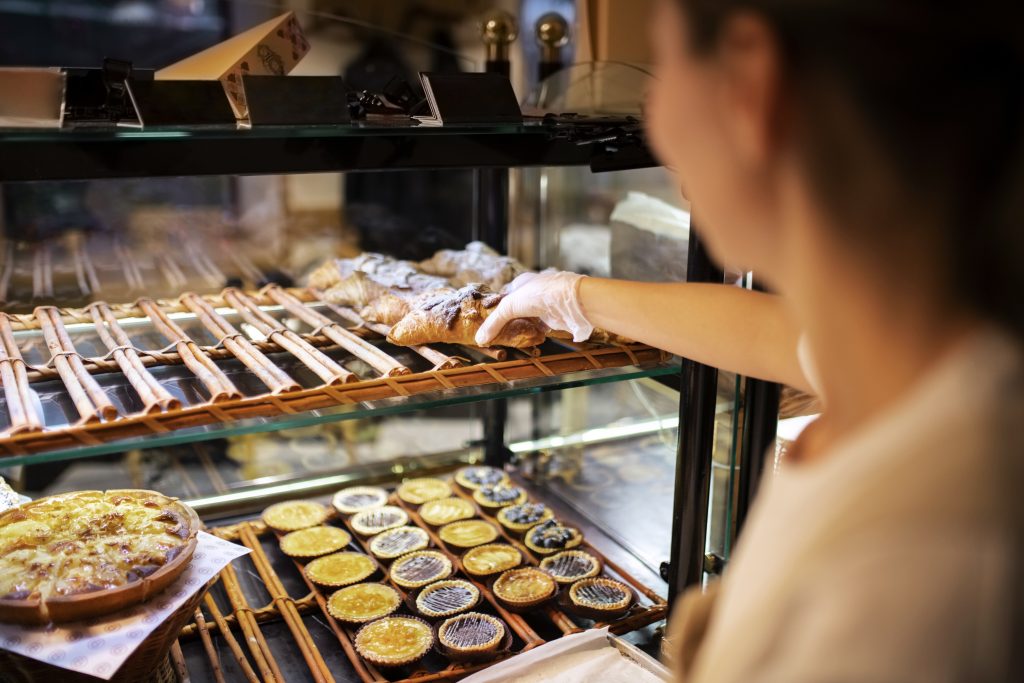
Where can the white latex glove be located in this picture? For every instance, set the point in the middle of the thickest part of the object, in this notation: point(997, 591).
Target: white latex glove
point(552, 296)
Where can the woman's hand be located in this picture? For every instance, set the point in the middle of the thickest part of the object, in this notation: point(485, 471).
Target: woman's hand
point(552, 296)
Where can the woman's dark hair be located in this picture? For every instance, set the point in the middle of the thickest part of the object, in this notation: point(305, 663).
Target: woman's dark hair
point(935, 91)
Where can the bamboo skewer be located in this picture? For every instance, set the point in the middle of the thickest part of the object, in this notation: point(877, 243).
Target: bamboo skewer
point(229, 637)
point(220, 387)
point(15, 382)
point(89, 399)
point(324, 367)
point(154, 397)
point(363, 350)
point(240, 347)
point(253, 636)
point(85, 272)
point(211, 652)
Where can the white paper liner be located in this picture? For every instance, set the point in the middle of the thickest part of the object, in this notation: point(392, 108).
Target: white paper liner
point(99, 647)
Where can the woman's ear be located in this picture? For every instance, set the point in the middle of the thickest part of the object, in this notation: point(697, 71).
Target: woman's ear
point(749, 58)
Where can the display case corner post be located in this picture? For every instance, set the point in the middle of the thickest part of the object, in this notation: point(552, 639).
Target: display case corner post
point(698, 386)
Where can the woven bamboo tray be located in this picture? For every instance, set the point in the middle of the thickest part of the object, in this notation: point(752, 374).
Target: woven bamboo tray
point(327, 351)
point(242, 627)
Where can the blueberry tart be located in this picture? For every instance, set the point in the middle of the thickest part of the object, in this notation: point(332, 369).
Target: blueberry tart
point(397, 542)
point(551, 537)
point(314, 541)
point(358, 498)
point(519, 518)
point(446, 510)
point(447, 598)
point(491, 559)
point(394, 641)
point(468, 534)
point(420, 568)
point(523, 588)
point(477, 476)
point(570, 566)
point(363, 602)
point(422, 490)
point(472, 635)
point(377, 520)
point(494, 498)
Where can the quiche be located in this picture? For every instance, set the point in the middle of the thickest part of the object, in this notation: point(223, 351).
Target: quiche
point(89, 553)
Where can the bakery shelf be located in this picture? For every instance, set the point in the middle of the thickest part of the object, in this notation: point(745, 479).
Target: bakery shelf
point(68, 395)
point(211, 150)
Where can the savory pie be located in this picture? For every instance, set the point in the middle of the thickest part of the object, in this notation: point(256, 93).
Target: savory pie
point(394, 641)
point(293, 515)
point(447, 598)
point(363, 602)
point(524, 587)
point(340, 569)
point(490, 559)
point(372, 522)
point(420, 568)
point(472, 633)
point(424, 489)
point(446, 510)
point(468, 533)
point(314, 541)
point(85, 554)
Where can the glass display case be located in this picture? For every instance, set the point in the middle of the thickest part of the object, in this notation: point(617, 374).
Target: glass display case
point(157, 333)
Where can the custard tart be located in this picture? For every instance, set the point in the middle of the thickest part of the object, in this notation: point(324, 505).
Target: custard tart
point(422, 490)
point(314, 541)
point(471, 634)
point(446, 510)
point(293, 515)
point(372, 522)
point(358, 498)
point(477, 476)
point(496, 497)
point(420, 568)
point(468, 534)
point(447, 598)
point(524, 587)
point(551, 537)
point(490, 559)
point(394, 641)
point(601, 596)
point(339, 569)
point(363, 602)
point(396, 542)
point(569, 566)
point(519, 518)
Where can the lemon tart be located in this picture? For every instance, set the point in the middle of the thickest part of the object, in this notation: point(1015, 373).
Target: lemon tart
point(363, 602)
point(339, 569)
point(524, 587)
point(446, 510)
point(490, 559)
point(468, 534)
point(314, 541)
point(293, 515)
point(394, 641)
point(424, 489)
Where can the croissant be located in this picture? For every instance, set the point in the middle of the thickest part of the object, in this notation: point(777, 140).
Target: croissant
point(476, 263)
point(453, 317)
point(379, 285)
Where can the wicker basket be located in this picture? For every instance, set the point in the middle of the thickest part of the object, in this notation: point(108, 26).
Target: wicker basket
point(148, 663)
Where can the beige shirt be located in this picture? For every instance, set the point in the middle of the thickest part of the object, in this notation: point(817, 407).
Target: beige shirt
point(896, 557)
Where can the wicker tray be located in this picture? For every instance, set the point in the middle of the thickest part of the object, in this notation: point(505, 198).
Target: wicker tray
point(241, 627)
point(326, 352)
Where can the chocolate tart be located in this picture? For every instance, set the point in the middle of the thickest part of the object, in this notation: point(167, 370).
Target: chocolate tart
point(471, 636)
point(447, 598)
point(446, 510)
point(551, 537)
point(314, 541)
point(377, 520)
point(339, 569)
point(491, 559)
point(394, 641)
point(468, 533)
point(397, 542)
point(363, 602)
point(494, 498)
point(293, 515)
point(420, 568)
point(569, 566)
point(601, 598)
point(422, 490)
point(523, 588)
point(477, 476)
point(358, 498)
point(519, 518)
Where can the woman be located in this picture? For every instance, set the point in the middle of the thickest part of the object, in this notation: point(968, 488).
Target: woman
point(865, 159)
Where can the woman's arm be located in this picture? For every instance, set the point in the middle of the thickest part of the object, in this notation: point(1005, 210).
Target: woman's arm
point(735, 329)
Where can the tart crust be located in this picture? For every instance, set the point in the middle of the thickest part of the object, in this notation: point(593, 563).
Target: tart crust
point(447, 598)
point(605, 595)
point(394, 641)
point(524, 587)
point(493, 499)
point(154, 536)
point(570, 566)
point(558, 537)
point(490, 559)
point(424, 489)
point(397, 542)
point(378, 520)
point(363, 602)
point(339, 569)
point(468, 534)
point(507, 515)
point(474, 477)
point(472, 633)
point(420, 568)
point(355, 499)
point(314, 541)
point(293, 515)
point(446, 510)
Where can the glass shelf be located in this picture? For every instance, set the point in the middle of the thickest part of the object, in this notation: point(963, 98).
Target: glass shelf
point(379, 408)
